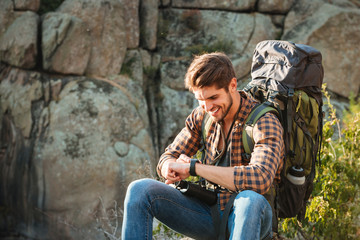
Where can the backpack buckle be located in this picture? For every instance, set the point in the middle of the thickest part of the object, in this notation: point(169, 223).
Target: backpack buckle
point(291, 92)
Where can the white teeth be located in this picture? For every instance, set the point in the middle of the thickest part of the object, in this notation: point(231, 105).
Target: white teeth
point(215, 110)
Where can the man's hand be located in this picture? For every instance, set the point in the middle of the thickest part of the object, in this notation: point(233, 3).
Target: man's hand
point(177, 170)
point(168, 173)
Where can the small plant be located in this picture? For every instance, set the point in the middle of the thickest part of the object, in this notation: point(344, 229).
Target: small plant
point(163, 28)
point(161, 232)
point(109, 221)
point(150, 72)
point(126, 68)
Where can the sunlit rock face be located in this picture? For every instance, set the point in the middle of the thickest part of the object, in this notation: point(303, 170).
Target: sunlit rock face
point(76, 143)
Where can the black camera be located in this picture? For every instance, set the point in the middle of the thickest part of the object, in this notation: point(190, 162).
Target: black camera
point(195, 190)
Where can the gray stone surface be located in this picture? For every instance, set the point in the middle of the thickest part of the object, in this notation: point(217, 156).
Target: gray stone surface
point(233, 5)
point(148, 23)
point(23, 5)
point(106, 23)
point(176, 106)
point(18, 45)
point(66, 44)
point(85, 150)
point(275, 6)
point(132, 22)
point(7, 15)
point(18, 89)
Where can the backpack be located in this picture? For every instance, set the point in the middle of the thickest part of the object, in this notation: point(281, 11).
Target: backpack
point(286, 80)
point(288, 77)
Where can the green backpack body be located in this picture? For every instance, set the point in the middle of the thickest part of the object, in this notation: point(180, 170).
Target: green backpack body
point(302, 139)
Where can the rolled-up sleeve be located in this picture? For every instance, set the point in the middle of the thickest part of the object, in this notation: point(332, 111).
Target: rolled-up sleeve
point(187, 142)
point(267, 158)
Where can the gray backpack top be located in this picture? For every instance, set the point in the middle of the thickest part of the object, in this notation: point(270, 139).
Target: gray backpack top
point(280, 65)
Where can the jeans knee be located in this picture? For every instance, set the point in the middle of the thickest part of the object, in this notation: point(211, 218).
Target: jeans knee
point(251, 200)
point(137, 191)
point(138, 185)
point(251, 216)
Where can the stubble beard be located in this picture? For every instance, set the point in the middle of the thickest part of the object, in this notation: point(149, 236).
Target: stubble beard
point(227, 110)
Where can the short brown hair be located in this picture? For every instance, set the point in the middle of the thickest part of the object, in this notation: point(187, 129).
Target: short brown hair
point(210, 69)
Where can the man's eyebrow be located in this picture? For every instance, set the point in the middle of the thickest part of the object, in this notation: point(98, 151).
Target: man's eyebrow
point(213, 96)
point(209, 97)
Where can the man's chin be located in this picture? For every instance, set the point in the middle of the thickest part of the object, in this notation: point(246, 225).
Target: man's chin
point(216, 119)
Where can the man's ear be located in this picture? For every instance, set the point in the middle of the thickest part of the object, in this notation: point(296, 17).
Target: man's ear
point(233, 85)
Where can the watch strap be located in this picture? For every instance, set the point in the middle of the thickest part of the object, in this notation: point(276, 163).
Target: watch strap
point(192, 166)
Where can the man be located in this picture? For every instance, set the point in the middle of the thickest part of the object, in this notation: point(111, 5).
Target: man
point(211, 78)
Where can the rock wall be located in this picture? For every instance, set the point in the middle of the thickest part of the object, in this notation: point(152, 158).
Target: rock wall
point(92, 92)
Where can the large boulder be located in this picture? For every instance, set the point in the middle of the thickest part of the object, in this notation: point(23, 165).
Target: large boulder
point(18, 45)
point(91, 148)
point(66, 44)
point(105, 21)
point(334, 31)
point(79, 144)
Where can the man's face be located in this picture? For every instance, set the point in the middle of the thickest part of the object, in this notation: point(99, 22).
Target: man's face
point(216, 102)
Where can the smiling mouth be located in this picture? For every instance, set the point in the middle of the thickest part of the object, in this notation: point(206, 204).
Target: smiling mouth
point(214, 111)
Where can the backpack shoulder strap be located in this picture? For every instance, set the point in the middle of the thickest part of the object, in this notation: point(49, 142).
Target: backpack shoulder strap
point(206, 123)
point(255, 114)
point(205, 126)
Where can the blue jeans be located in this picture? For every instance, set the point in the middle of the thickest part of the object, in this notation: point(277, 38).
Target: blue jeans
point(145, 199)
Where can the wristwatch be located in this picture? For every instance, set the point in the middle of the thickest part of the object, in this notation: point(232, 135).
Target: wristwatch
point(192, 166)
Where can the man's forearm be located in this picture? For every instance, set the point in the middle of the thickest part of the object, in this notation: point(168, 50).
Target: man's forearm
point(179, 169)
point(223, 176)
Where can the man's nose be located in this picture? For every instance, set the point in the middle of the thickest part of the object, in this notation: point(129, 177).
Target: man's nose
point(207, 105)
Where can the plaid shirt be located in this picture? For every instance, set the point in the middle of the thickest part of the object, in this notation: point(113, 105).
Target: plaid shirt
point(256, 173)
